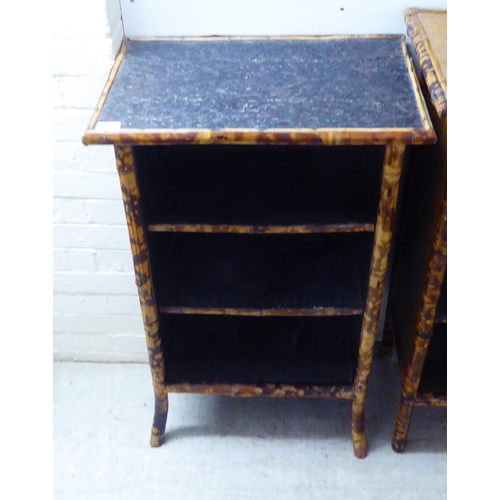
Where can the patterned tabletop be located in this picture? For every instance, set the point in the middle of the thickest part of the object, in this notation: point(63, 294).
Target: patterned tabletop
point(316, 83)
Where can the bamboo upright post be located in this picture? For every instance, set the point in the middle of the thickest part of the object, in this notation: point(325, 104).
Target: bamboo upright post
point(425, 324)
point(421, 247)
point(393, 164)
point(139, 246)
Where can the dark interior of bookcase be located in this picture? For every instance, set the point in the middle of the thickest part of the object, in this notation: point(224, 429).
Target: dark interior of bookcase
point(260, 271)
point(259, 185)
point(434, 372)
point(252, 350)
point(441, 310)
point(421, 196)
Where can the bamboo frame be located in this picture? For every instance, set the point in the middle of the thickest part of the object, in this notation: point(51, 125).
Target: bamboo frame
point(431, 70)
point(317, 311)
point(434, 83)
point(430, 399)
point(425, 324)
point(420, 398)
point(319, 136)
point(393, 161)
point(107, 87)
point(394, 139)
point(234, 228)
point(138, 243)
point(269, 390)
point(416, 88)
point(393, 164)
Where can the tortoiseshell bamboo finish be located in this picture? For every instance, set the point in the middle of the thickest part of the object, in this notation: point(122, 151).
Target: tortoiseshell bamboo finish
point(309, 136)
point(394, 139)
point(226, 228)
point(431, 70)
point(431, 264)
point(138, 243)
point(425, 324)
point(389, 192)
point(329, 137)
point(317, 311)
point(430, 399)
point(393, 163)
point(269, 390)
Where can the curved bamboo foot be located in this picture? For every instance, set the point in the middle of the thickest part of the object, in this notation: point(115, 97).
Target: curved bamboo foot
point(402, 424)
point(159, 422)
point(398, 445)
point(358, 432)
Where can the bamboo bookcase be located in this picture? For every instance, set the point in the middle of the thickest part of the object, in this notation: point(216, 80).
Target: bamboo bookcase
point(416, 315)
point(260, 178)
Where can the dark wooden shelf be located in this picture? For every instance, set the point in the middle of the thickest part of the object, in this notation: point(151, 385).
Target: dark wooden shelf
point(261, 189)
point(261, 274)
point(235, 350)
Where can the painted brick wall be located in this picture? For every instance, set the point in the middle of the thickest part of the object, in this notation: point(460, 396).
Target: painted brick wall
point(96, 313)
point(96, 308)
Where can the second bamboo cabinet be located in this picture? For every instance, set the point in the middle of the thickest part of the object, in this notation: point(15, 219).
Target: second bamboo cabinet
point(417, 308)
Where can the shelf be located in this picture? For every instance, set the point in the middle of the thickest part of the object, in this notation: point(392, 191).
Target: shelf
point(317, 274)
point(256, 229)
point(433, 382)
point(234, 350)
point(260, 189)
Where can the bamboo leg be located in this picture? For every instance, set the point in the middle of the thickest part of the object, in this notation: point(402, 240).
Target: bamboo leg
point(425, 324)
point(159, 421)
point(404, 418)
point(393, 162)
point(411, 382)
point(138, 243)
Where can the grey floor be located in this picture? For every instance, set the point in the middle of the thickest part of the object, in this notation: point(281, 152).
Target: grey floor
point(231, 448)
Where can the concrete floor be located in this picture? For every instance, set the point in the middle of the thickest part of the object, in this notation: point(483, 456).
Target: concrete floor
point(231, 448)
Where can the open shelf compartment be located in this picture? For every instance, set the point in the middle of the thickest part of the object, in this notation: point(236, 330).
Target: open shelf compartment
point(207, 187)
point(232, 273)
point(202, 349)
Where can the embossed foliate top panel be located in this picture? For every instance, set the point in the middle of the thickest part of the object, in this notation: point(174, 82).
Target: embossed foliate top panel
point(263, 84)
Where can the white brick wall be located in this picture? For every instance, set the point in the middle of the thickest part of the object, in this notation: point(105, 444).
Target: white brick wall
point(96, 309)
point(96, 312)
